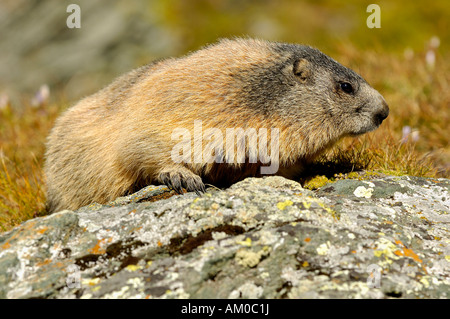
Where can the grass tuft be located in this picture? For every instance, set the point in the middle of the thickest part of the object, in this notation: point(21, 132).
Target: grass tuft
point(23, 132)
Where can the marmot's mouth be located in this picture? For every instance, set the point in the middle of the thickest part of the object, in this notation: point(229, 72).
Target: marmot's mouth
point(358, 134)
point(376, 121)
point(364, 130)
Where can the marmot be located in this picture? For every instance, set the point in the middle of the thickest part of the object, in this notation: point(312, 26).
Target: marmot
point(122, 137)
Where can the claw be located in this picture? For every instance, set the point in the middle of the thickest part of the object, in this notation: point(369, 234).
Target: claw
point(177, 180)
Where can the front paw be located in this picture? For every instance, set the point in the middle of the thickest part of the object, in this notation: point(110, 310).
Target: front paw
point(179, 179)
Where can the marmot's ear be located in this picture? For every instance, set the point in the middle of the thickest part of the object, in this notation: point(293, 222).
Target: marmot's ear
point(302, 69)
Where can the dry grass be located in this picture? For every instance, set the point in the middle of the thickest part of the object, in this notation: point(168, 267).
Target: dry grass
point(417, 93)
point(22, 137)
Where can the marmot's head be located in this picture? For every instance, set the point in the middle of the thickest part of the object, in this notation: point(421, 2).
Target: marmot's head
point(344, 96)
point(307, 86)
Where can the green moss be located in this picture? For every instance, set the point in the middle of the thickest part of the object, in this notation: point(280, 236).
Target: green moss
point(395, 173)
point(353, 175)
point(317, 182)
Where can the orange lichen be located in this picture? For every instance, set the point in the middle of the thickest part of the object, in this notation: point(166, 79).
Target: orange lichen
point(98, 249)
point(406, 252)
point(42, 230)
point(43, 263)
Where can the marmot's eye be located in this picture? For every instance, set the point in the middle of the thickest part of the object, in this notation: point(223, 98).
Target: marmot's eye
point(346, 87)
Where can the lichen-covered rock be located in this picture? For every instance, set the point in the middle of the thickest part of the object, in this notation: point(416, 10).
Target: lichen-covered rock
point(261, 238)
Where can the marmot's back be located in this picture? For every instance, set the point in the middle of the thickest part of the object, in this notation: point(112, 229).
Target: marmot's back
point(167, 122)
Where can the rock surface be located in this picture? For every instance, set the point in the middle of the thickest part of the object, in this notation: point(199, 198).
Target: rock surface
point(387, 237)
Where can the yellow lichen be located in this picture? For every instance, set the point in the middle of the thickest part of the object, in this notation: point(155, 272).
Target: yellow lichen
point(96, 288)
point(387, 249)
point(247, 242)
point(283, 205)
point(132, 267)
point(249, 258)
point(317, 182)
point(90, 282)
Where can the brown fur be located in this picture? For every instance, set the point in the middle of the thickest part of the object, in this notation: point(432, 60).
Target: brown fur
point(119, 139)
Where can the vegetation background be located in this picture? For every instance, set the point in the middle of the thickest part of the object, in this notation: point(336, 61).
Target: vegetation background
point(45, 67)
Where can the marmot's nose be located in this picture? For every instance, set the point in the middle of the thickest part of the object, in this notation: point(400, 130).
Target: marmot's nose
point(383, 114)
